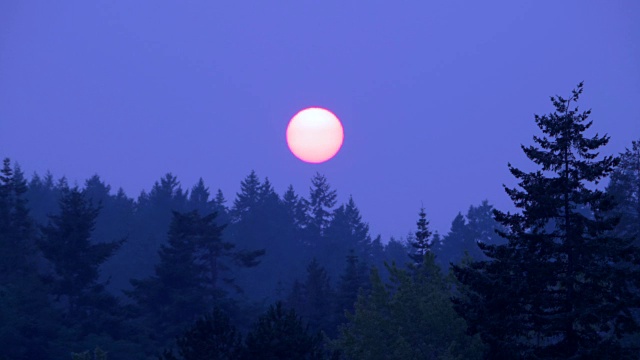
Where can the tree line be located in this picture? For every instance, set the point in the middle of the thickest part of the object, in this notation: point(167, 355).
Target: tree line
point(87, 272)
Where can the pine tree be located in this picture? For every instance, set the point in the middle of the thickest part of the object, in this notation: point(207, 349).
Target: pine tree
point(296, 209)
point(192, 276)
point(318, 299)
point(322, 199)
point(248, 197)
point(152, 217)
point(67, 243)
point(482, 226)
point(454, 244)
point(346, 233)
point(199, 199)
point(560, 287)
point(352, 281)
point(422, 242)
point(16, 227)
point(43, 196)
point(27, 321)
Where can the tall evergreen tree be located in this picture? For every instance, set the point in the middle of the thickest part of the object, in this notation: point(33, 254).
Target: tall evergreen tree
point(43, 196)
point(483, 227)
point(114, 221)
point(192, 276)
point(16, 227)
point(454, 244)
point(67, 243)
point(421, 243)
point(352, 281)
point(27, 321)
point(296, 208)
point(560, 287)
point(199, 199)
point(346, 233)
point(322, 199)
point(152, 217)
point(248, 197)
point(315, 298)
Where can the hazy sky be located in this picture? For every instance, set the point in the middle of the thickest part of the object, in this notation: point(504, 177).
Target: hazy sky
point(435, 96)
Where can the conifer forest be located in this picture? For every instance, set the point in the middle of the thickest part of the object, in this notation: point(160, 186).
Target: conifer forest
point(185, 271)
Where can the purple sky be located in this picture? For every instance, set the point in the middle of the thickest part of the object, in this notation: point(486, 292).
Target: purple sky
point(435, 96)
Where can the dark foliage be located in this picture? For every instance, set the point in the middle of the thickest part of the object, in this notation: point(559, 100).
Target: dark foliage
point(560, 287)
point(280, 334)
point(211, 337)
point(190, 277)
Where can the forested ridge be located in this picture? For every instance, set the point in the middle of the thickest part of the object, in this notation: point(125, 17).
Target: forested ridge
point(86, 272)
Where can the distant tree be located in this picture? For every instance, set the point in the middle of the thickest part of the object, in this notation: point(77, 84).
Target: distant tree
point(279, 334)
point(376, 256)
point(421, 243)
point(152, 218)
point(353, 280)
point(219, 205)
point(625, 188)
point(483, 228)
point(560, 287)
point(346, 232)
point(27, 321)
point(322, 199)
point(395, 251)
point(212, 337)
point(199, 199)
point(248, 197)
point(410, 318)
point(263, 220)
point(67, 243)
point(296, 208)
point(313, 299)
point(16, 227)
point(454, 244)
point(43, 196)
point(115, 220)
point(461, 242)
point(190, 278)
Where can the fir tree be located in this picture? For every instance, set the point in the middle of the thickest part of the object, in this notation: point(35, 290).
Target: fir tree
point(76, 259)
point(322, 199)
point(318, 299)
point(560, 287)
point(27, 321)
point(421, 243)
point(248, 197)
point(199, 198)
point(352, 281)
point(454, 244)
point(192, 275)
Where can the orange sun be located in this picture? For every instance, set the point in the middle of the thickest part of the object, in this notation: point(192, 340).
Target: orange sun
point(315, 135)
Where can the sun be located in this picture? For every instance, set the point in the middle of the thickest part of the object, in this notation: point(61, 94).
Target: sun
point(315, 135)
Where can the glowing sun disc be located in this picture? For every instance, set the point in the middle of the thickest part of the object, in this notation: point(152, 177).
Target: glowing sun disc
point(315, 135)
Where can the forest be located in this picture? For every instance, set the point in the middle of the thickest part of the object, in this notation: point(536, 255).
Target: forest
point(187, 272)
